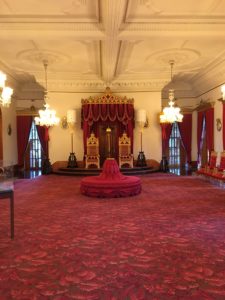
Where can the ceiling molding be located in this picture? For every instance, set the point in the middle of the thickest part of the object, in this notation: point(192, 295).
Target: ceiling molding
point(57, 27)
point(124, 44)
point(98, 86)
point(162, 29)
point(153, 11)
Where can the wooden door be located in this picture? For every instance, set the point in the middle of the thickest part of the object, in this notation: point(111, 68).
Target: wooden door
point(108, 142)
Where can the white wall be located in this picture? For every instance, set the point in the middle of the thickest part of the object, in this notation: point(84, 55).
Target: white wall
point(9, 141)
point(60, 141)
point(152, 145)
point(213, 96)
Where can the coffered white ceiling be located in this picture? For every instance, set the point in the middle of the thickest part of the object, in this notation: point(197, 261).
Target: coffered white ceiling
point(126, 44)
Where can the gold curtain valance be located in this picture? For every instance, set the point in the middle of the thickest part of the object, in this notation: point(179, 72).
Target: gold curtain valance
point(203, 105)
point(27, 112)
point(107, 98)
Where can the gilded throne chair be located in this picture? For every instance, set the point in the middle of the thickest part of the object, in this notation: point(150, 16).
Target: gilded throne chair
point(125, 155)
point(92, 158)
point(210, 167)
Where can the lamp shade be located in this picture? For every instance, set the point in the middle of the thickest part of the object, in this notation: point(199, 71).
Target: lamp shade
point(2, 79)
point(71, 116)
point(223, 91)
point(141, 116)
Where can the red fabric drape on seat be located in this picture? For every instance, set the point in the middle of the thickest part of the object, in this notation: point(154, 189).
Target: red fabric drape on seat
point(166, 132)
point(44, 138)
point(23, 130)
point(105, 112)
point(209, 121)
point(185, 128)
point(223, 126)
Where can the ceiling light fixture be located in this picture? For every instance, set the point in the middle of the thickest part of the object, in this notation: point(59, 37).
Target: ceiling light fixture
point(223, 91)
point(47, 117)
point(5, 92)
point(171, 114)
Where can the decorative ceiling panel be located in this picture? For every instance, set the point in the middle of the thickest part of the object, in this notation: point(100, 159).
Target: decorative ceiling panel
point(126, 44)
point(150, 59)
point(150, 10)
point(68, 60)
point(78, 10)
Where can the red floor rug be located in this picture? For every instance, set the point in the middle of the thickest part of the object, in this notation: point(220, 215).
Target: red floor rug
point(166, 243)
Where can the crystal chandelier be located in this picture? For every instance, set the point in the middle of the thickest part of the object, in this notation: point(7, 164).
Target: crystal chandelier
point(171, 114)
point(5, 92)
point(47, 117)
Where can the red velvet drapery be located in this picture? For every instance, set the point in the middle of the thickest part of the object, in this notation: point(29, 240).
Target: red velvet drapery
point(23, 131)
point(166, 132)
point(209, 122)
point(223, 126)
point(199, 130)
point(92, 113)
point(44, 138)
point(209, 126)
point(185, 128)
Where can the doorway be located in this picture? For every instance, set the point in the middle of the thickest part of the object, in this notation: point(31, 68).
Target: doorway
point(108, 141)
point(34, 153)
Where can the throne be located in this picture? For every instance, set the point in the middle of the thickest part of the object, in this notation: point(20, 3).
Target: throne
point(210, 167)
point(92, 157)
point(125, 155)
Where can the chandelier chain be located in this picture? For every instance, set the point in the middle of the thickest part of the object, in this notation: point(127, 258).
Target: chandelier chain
point(171, 113)
point(45, 62)
point(171, 69)
point(47, 117)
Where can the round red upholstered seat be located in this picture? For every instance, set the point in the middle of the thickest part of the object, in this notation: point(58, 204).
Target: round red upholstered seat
point(110, 183)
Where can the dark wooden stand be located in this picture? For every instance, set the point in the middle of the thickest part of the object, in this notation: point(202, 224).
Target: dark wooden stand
point(141, 161)
point(72, 161)
point(46, 167)
point(164, 165)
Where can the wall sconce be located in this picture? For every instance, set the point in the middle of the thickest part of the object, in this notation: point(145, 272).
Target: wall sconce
point(222, 99)
point(223, 91)
point(64, 123)
point(146, 124)
point(218, 124)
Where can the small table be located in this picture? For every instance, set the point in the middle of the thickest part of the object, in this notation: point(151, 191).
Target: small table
point(7, 191)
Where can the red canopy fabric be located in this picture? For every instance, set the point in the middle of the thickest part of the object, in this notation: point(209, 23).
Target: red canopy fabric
point(120, 113)
point(23, 130)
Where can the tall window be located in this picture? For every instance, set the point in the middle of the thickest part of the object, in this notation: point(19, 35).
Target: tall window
point(174, 150)
point(35, 153)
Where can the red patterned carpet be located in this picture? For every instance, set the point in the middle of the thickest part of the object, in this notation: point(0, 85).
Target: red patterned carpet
point(166, 243)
